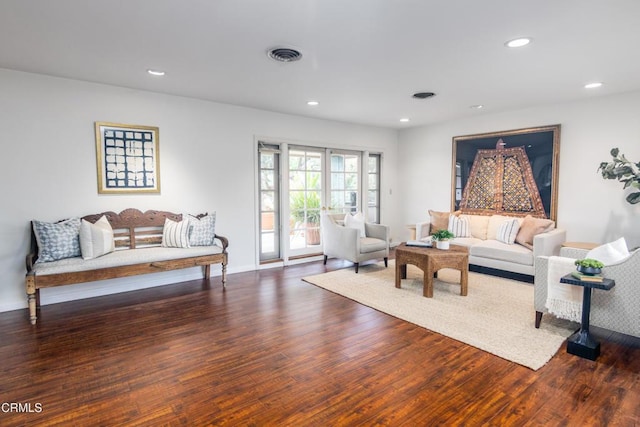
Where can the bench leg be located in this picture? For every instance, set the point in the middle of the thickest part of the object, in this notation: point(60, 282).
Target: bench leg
point(33, 298)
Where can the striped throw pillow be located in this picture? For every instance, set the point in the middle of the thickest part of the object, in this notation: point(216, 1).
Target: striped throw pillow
point(175, 234)
point(508, 231)
point(459, 226)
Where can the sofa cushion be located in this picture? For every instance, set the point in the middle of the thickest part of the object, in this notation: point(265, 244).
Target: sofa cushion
point(96, 239)
point(478, 226)
point(508, 231)
point(459, 226)
point(123, 257)
point(465, 241)
point(57, 240)
point(494, 249)
point(371, 244)
point(531, 227)
point(440, 220)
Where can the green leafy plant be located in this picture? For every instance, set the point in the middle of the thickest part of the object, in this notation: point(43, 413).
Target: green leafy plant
point(624, 171)
point(442, 235)
point(589, 263)
point(298, 207)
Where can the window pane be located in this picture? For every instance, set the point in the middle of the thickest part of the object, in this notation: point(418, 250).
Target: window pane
point(337, 163)
point(337, 199)
point(373, 164)
point(373, 182)
point(337, 181)
point(351, 181)
point(314, 161)
point(266, 160)
point(373, 198)
point(351, 164)
point(314, 180)
point(267, 200)
point(267, 221)
point(296, 160)
point(266, 180)
point(297, 180)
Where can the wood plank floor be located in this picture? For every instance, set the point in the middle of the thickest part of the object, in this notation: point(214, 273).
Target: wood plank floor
point(274, 350)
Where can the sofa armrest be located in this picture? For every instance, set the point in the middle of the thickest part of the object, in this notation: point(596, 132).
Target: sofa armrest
point(422, 230)
point(377, 231)
point(549, 243)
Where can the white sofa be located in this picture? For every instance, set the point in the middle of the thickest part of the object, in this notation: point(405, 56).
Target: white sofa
point(486, 251)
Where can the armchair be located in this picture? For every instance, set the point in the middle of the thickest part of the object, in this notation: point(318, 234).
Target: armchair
point(617, 309)
point(342, 242)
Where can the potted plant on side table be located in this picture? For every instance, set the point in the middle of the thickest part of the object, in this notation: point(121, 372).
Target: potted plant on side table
point(442, 237)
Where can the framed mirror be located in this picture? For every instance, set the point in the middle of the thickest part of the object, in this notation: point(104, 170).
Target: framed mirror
point(512, 172)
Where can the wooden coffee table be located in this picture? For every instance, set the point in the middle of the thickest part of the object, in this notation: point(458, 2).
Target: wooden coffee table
point(430, 260)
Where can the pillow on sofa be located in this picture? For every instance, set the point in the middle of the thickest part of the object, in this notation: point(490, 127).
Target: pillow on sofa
point(531, 227)
point(355, 221)
point(202, 230)
point(507, 231)
point(440, 220)
point(57, 240)
point(96, 239)
point(478, 225)
point(610, 253)
point(459, 226)
point(175, 234)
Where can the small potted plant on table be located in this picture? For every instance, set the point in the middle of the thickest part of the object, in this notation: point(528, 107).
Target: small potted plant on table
point(589, 266)
point(442, 237)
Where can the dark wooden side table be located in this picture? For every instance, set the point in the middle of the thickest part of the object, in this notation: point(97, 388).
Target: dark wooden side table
point(582, 343)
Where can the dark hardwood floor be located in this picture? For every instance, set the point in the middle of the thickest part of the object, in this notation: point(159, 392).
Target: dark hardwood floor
point(274, 350)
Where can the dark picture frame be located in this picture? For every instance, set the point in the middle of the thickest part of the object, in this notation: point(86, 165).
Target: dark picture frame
point(542, 146)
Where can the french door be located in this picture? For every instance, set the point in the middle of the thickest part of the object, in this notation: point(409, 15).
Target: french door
point(297, 182)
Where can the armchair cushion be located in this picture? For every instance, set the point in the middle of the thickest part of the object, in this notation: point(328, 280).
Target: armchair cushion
point(370, 244)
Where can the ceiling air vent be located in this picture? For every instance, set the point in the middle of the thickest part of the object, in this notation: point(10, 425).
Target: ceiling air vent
point(284, 54)
point(423, 95)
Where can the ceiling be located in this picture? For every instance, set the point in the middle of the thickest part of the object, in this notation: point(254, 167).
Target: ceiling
point(362, 59)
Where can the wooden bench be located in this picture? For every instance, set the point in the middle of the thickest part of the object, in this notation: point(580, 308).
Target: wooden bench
point(134, 231)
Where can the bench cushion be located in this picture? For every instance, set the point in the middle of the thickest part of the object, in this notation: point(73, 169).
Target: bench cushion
point(122, 257)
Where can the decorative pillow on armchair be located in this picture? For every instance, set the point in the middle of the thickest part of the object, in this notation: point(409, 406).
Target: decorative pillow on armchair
point(57, 240)
point(355, 221)
point(203, 230)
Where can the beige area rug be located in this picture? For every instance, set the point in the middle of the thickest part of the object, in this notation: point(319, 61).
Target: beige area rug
point(497, 316)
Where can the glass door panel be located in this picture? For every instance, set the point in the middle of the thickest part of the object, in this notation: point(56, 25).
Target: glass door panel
point(305, 200)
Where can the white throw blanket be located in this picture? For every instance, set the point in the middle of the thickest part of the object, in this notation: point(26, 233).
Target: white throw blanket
point(563, 300)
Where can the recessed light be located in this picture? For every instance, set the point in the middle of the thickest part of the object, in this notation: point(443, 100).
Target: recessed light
point(404, 120)
point(312, 103)
point(593, 85)
point(519, 42)
point(155, 72)
point(477, 107)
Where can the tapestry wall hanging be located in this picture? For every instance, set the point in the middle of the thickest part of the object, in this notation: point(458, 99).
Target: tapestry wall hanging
point(128, 158)
point(511, 172)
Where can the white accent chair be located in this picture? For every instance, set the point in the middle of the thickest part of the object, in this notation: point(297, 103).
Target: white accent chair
point(342, 242)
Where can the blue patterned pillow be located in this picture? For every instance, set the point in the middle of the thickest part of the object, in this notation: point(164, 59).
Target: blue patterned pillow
point(57, 240)
point(203, 230)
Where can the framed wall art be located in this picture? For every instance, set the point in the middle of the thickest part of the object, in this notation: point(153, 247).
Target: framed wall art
point(128, 158)
point(511, 172)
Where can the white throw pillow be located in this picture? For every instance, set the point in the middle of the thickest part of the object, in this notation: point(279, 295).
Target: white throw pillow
point(508, 231)
point(96, 239)
point(610, 253)
point(355, 221)
point(459, 226)
point(175, 234)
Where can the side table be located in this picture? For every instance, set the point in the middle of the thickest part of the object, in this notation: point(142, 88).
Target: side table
point(582, 343)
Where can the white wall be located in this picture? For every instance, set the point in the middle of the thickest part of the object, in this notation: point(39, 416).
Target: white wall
point(590, 208)
point(207, 164)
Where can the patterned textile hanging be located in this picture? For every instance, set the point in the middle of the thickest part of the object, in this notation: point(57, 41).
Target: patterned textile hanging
point(501, 182)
